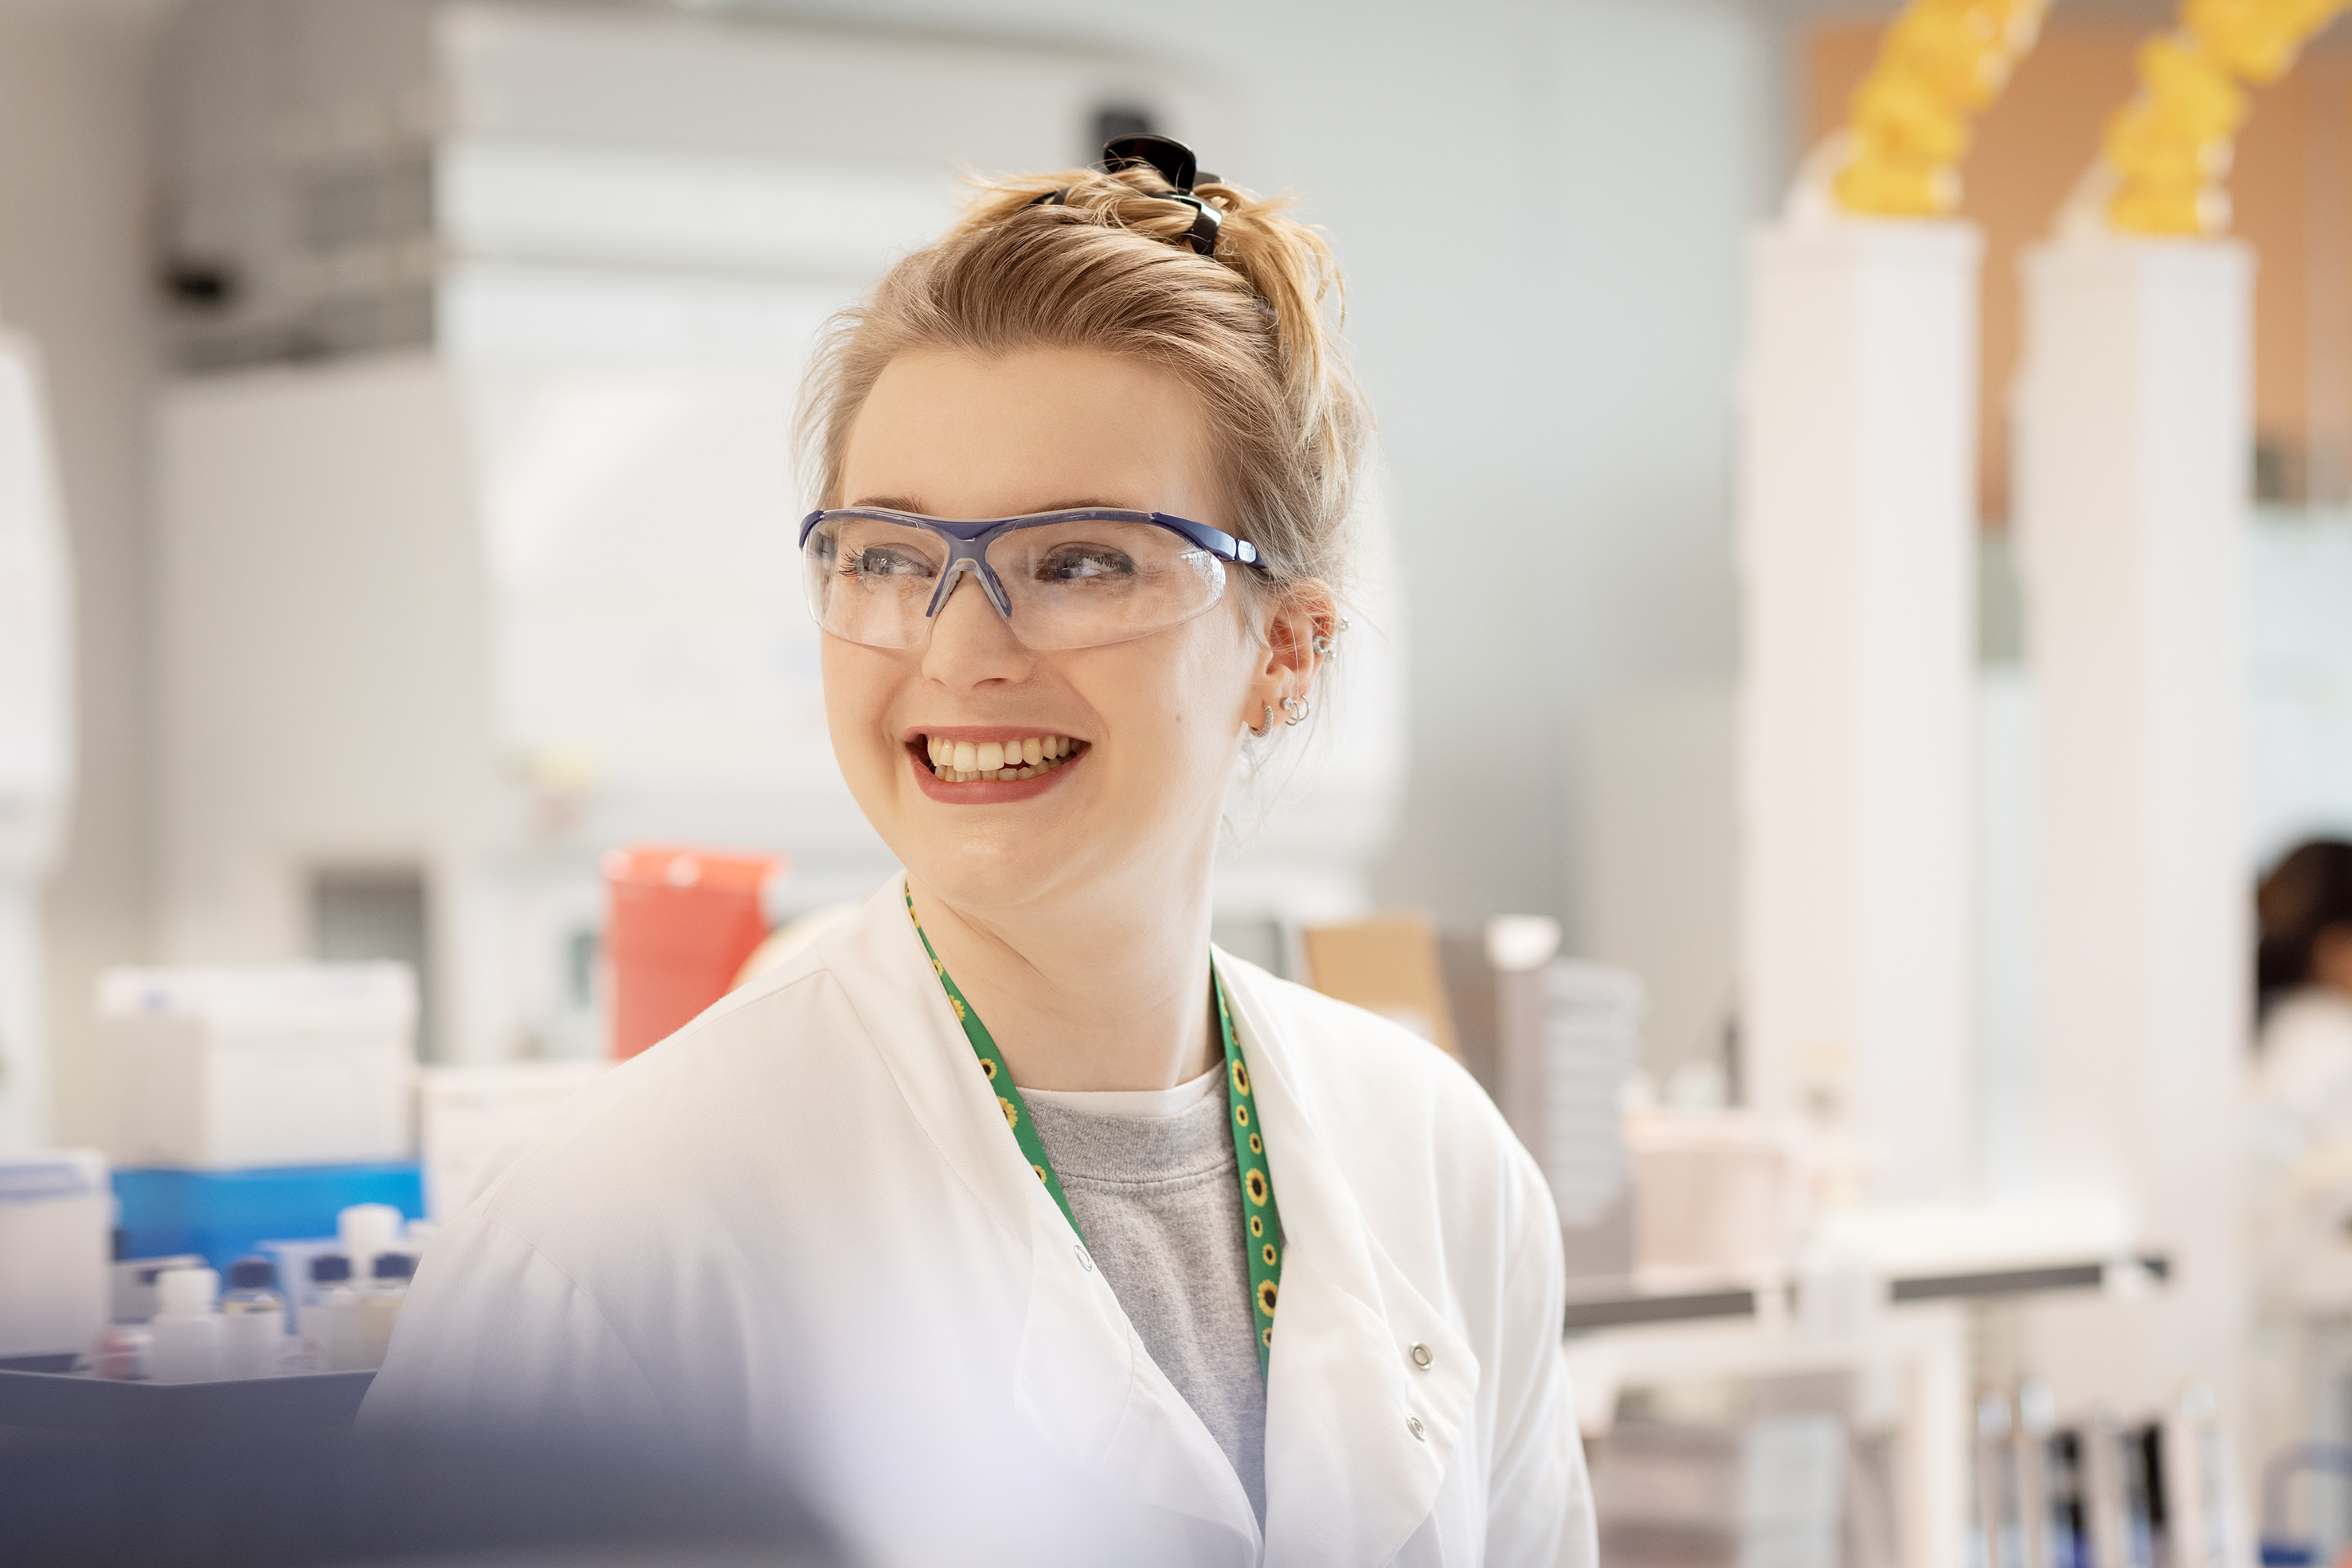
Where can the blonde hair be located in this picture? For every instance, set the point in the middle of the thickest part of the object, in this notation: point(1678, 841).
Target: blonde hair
point(1108, 268)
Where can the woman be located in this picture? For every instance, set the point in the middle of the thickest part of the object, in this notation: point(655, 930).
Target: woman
point(2302, 1101)
point(1165, 1260)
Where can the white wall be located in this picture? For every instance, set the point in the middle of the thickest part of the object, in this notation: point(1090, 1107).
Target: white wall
point(74, 202)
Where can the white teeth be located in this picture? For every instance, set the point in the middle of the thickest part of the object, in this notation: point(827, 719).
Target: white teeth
point(966, 762)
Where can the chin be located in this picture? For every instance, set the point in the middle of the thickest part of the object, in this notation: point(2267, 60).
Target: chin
point(976, 876)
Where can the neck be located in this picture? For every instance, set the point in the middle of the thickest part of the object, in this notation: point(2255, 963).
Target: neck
point(1086, 996)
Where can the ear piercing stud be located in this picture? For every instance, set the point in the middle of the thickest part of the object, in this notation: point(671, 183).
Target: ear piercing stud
point(1296, 707)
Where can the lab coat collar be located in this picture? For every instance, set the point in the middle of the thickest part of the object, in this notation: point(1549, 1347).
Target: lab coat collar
point(1348, 1480)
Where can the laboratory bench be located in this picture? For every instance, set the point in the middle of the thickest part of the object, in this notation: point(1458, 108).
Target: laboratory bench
point(39, 1398)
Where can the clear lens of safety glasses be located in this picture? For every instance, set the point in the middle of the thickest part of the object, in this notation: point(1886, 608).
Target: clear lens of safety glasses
point(1066, 583)
point(1086, 584)
point(871, 581)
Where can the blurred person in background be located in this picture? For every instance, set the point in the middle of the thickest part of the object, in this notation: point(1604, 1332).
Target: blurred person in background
point(2299, 1104)
point(2299, 1130)
point(1167, 1261)
point(2303, 1067)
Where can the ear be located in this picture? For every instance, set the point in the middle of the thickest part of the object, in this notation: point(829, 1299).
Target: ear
point(1303, 614)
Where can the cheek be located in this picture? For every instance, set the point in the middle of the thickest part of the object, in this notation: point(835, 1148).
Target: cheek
point(859, 684)
point(1184, 695)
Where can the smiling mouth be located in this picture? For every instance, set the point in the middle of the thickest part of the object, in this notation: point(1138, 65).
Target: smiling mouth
point(970, 762)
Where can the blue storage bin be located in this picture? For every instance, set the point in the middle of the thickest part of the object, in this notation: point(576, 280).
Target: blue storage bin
point(225, 1214)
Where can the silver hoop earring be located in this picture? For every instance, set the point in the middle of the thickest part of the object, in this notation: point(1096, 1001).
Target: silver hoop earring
point(1297, 708)
point(1324, 643)
point(1264, 727)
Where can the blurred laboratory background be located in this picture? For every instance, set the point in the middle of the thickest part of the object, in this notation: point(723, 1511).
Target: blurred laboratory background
point(1860, 601)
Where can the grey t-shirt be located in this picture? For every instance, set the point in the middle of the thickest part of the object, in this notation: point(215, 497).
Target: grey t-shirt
point(1153, 1181)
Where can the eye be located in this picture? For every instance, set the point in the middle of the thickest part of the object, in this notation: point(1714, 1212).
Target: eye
point(1084, 563)
point(882, 560)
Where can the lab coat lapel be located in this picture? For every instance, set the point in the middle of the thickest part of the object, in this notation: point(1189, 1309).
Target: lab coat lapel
point(1348, 1479)
point(1086, 1385)
point(1081, 1377)
point(889, 983)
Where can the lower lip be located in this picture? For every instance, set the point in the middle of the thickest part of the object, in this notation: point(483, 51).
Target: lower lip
point(987, 792)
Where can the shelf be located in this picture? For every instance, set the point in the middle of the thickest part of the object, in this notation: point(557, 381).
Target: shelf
point(1589, 1313)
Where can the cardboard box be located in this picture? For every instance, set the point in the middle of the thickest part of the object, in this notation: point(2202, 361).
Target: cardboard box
point(1387, 965)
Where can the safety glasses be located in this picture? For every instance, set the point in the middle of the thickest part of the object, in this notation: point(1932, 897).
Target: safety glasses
point(1082, 578)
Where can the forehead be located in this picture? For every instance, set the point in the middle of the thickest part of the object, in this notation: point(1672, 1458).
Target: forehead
point(967, 436)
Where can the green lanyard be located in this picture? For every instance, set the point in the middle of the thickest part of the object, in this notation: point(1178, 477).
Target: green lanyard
point(1260, 1218)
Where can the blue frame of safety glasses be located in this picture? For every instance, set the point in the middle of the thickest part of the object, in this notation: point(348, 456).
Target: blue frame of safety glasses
point(969, 539)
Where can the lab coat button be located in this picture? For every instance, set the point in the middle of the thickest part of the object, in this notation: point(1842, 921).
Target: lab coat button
point(1420, 1356)
point(1084, 1261)
point(1413, 1425)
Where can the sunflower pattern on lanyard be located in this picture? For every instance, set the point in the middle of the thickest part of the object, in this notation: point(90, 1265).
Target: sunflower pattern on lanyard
point(1261, 1220)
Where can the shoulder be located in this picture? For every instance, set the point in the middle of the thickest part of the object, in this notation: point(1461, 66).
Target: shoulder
point(1344, 1056)
point(2306, 1043)
point(686, 1113)
point(1407, 1121)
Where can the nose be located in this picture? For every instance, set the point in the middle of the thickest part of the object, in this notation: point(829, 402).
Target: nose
point(970, 643)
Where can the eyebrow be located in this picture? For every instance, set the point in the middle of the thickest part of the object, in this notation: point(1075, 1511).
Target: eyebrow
point(902, 504)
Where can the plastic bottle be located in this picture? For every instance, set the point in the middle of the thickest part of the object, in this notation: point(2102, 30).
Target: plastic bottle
point(188, 1332)
point(253, 1317)
point(366, 1229)
point(121, 1352)
point(331, 1320)
point(380, 1307)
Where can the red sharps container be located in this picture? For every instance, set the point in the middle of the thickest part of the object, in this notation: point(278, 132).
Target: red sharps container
point(682, 923)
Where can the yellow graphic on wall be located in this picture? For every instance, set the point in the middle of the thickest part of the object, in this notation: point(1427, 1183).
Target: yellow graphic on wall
point(1942, 62)
point(2169, 147)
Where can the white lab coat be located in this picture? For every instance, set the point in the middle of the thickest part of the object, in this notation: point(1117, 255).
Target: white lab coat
point(799, 1228)
point(2299, 1130)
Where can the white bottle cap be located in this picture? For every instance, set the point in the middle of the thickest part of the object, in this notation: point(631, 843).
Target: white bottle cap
point(183, 1291)
point(368, 1228)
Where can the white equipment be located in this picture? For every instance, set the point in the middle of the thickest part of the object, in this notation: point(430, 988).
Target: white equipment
point(468, 1117)
point(226, 1069)
point(2134, 435)
point(1857, 525)
point(36, 734)
point(511, 577)
point(56, 1218)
